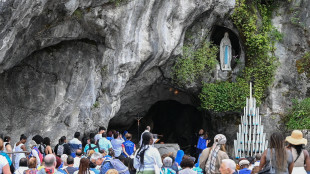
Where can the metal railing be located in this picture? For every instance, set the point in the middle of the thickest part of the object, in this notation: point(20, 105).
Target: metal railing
point(17, 152)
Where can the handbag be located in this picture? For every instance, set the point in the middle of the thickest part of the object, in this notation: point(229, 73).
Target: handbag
point(156, 168)
point(268, 169)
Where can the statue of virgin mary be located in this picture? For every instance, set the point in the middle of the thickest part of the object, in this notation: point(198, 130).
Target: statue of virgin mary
point(225, 53)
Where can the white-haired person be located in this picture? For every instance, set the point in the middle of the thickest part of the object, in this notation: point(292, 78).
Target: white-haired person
point(244, 167)
point(211, 158)
point(49, 165)
point(228, 166)
point(96, 159)
point(34, 152)
point(64, 163)
point(167, 163)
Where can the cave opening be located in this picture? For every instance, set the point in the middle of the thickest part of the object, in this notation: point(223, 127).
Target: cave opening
point(177, 122)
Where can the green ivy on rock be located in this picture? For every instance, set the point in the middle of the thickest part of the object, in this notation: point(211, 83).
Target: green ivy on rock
point(194, 63)
point(224, 96)
point(259, 37)
point(298, 117)
point(303, 64)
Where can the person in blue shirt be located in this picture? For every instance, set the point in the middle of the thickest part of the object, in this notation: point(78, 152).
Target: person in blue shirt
point(244, 167)
point(117, 143)
point(75, 143)
point(91, 146)
point(202, 143)
point(104, 143)
point(128, 146)
point(179, 156)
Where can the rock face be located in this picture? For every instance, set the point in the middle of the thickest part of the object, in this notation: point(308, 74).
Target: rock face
point(293, 22)
point(75, 64)
point(68, 65)
point(167, 148)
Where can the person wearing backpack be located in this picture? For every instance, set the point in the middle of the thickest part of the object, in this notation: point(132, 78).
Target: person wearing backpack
point(112, 163)
point(35, 153)
point(91, 146)
point(39, 141)
point(62, 147)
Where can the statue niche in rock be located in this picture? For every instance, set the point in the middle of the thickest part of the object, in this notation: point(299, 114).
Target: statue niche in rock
point(225, 53)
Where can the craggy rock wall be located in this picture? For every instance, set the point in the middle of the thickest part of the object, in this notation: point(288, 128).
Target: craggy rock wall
point(68, 65)
point(64, 64)
point(293, 21)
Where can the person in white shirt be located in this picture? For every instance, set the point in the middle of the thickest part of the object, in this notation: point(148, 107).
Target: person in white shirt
point(99, 135)
point(7, 148)
point(23, 165)
point(34, 151)
point(147, 156)
point(4, 165)
point(77, 159)
point(75, 143)
point(64, 158)
point(19, 147)
point(147, 129)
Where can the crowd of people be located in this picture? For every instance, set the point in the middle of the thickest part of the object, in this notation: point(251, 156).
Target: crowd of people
point(112, 152)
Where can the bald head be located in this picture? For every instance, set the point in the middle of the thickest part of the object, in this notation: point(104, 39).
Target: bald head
point(50, 160)
point(78, 152)
point(148, 128)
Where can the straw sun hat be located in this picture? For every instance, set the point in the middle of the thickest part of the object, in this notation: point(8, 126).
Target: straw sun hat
point(296, 138)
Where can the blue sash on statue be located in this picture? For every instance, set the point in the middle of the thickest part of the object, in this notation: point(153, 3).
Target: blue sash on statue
point(226, 55)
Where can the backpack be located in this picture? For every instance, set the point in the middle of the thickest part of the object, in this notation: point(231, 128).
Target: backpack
point(39, 154)
point(60, 149)
point(41, 148)
point(91, 148)
point(116, 164)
